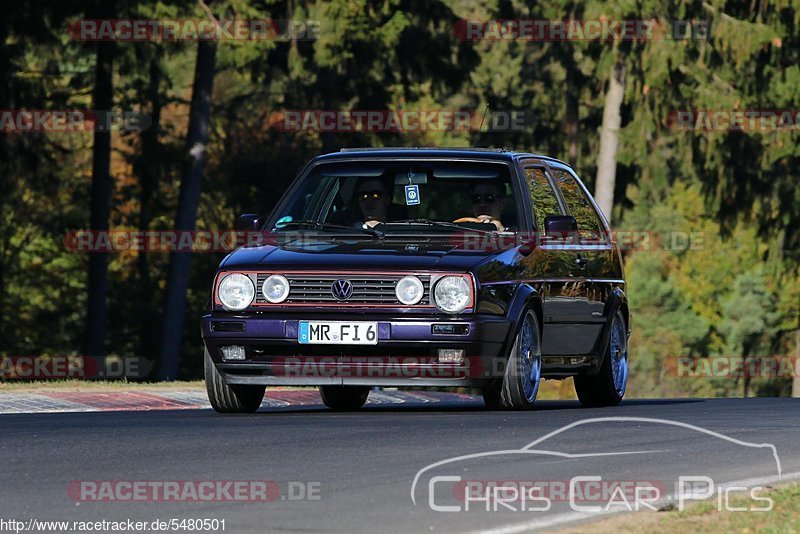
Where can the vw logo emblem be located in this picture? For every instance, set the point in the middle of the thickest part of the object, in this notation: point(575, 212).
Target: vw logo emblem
point(342, 289)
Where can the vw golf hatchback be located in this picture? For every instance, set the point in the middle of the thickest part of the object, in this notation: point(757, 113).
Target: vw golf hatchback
point(478, 268)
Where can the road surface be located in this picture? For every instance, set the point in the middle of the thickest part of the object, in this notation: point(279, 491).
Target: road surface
point(358, 468)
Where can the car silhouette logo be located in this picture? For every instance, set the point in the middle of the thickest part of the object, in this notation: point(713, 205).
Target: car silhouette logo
point(342, 289)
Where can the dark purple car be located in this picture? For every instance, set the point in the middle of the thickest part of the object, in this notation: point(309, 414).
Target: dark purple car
point(422, 267)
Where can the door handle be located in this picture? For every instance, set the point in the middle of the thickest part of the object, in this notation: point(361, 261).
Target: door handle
point(581, 261)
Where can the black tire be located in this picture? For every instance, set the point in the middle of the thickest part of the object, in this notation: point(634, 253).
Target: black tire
point(607, 388)
point(226, 398)
point(513, 392)
point(344, 398)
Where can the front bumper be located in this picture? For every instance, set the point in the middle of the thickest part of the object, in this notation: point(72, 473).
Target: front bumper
point(406, 353)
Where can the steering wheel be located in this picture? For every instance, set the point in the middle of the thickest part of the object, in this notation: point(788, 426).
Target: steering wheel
point(495, 222)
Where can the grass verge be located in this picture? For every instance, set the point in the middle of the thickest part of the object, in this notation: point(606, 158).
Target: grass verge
point(706, 517)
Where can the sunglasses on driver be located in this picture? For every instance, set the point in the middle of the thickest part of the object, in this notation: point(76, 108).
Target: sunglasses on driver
point(485, 198)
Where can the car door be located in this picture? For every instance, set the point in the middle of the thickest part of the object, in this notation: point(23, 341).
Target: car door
point(554, 269)
point(593, 247)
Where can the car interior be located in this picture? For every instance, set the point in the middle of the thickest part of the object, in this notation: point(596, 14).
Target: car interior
point(442, 197)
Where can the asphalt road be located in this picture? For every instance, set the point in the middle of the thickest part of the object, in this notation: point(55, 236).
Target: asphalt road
point(360, 467)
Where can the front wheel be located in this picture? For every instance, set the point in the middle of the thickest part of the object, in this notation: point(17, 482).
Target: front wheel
point(226, 398)
point(344, 398)
point(607, 387)
point(520, 384)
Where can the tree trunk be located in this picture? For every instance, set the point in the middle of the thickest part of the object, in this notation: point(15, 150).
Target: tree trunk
point(609, 140)
point(330, 97)
point(149, 171)
point(191, 182)
point(97, 312)
point(571, 116)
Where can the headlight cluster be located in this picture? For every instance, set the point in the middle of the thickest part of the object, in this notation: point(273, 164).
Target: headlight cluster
point(409, 290)
point(452, 294)
point(275, 288)
point(236, 291)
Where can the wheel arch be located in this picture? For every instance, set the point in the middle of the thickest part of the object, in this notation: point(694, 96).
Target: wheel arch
point(526, 296)
point(617, 301)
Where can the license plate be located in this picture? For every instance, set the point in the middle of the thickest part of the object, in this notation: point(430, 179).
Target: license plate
point(338, 333)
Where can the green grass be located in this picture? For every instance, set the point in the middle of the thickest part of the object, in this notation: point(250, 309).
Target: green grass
point(705, 517)
point(785, 515)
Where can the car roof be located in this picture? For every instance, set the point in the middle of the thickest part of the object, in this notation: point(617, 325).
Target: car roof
point(494, 154)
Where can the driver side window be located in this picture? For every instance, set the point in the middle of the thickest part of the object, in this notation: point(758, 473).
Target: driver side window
point(543, 198)
point(590, 229)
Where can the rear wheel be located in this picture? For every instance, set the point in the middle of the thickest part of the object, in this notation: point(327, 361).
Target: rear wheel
point(607, 387)
point(344, 398)
point(226, 398)
point(520, 384)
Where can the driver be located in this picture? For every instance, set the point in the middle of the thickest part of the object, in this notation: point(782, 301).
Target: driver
point(488, 202)
point(373, 200)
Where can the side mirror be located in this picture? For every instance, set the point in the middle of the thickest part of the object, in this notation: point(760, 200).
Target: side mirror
point(560, 227)
point(249, 221)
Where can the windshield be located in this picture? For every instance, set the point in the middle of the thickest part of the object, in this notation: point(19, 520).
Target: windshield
point(402, 196)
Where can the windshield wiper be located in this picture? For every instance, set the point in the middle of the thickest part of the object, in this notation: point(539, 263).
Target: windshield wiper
point(319, 225)
point(441, 224)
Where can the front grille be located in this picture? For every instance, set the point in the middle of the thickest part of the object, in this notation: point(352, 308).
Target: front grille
point(368, 289)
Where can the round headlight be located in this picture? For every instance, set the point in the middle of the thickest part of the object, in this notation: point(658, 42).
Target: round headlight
point(236, 291)
point(452, 294)
point(275, 288)
point(409, 290)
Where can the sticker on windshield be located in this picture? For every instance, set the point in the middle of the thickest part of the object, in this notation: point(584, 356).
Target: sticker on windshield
point(412, 195)
point(283, 221)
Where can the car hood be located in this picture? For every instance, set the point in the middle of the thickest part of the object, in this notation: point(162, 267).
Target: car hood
point(449, 253)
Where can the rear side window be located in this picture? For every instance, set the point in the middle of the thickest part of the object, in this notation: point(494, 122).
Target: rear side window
point(590, 229)
point(543, 198)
